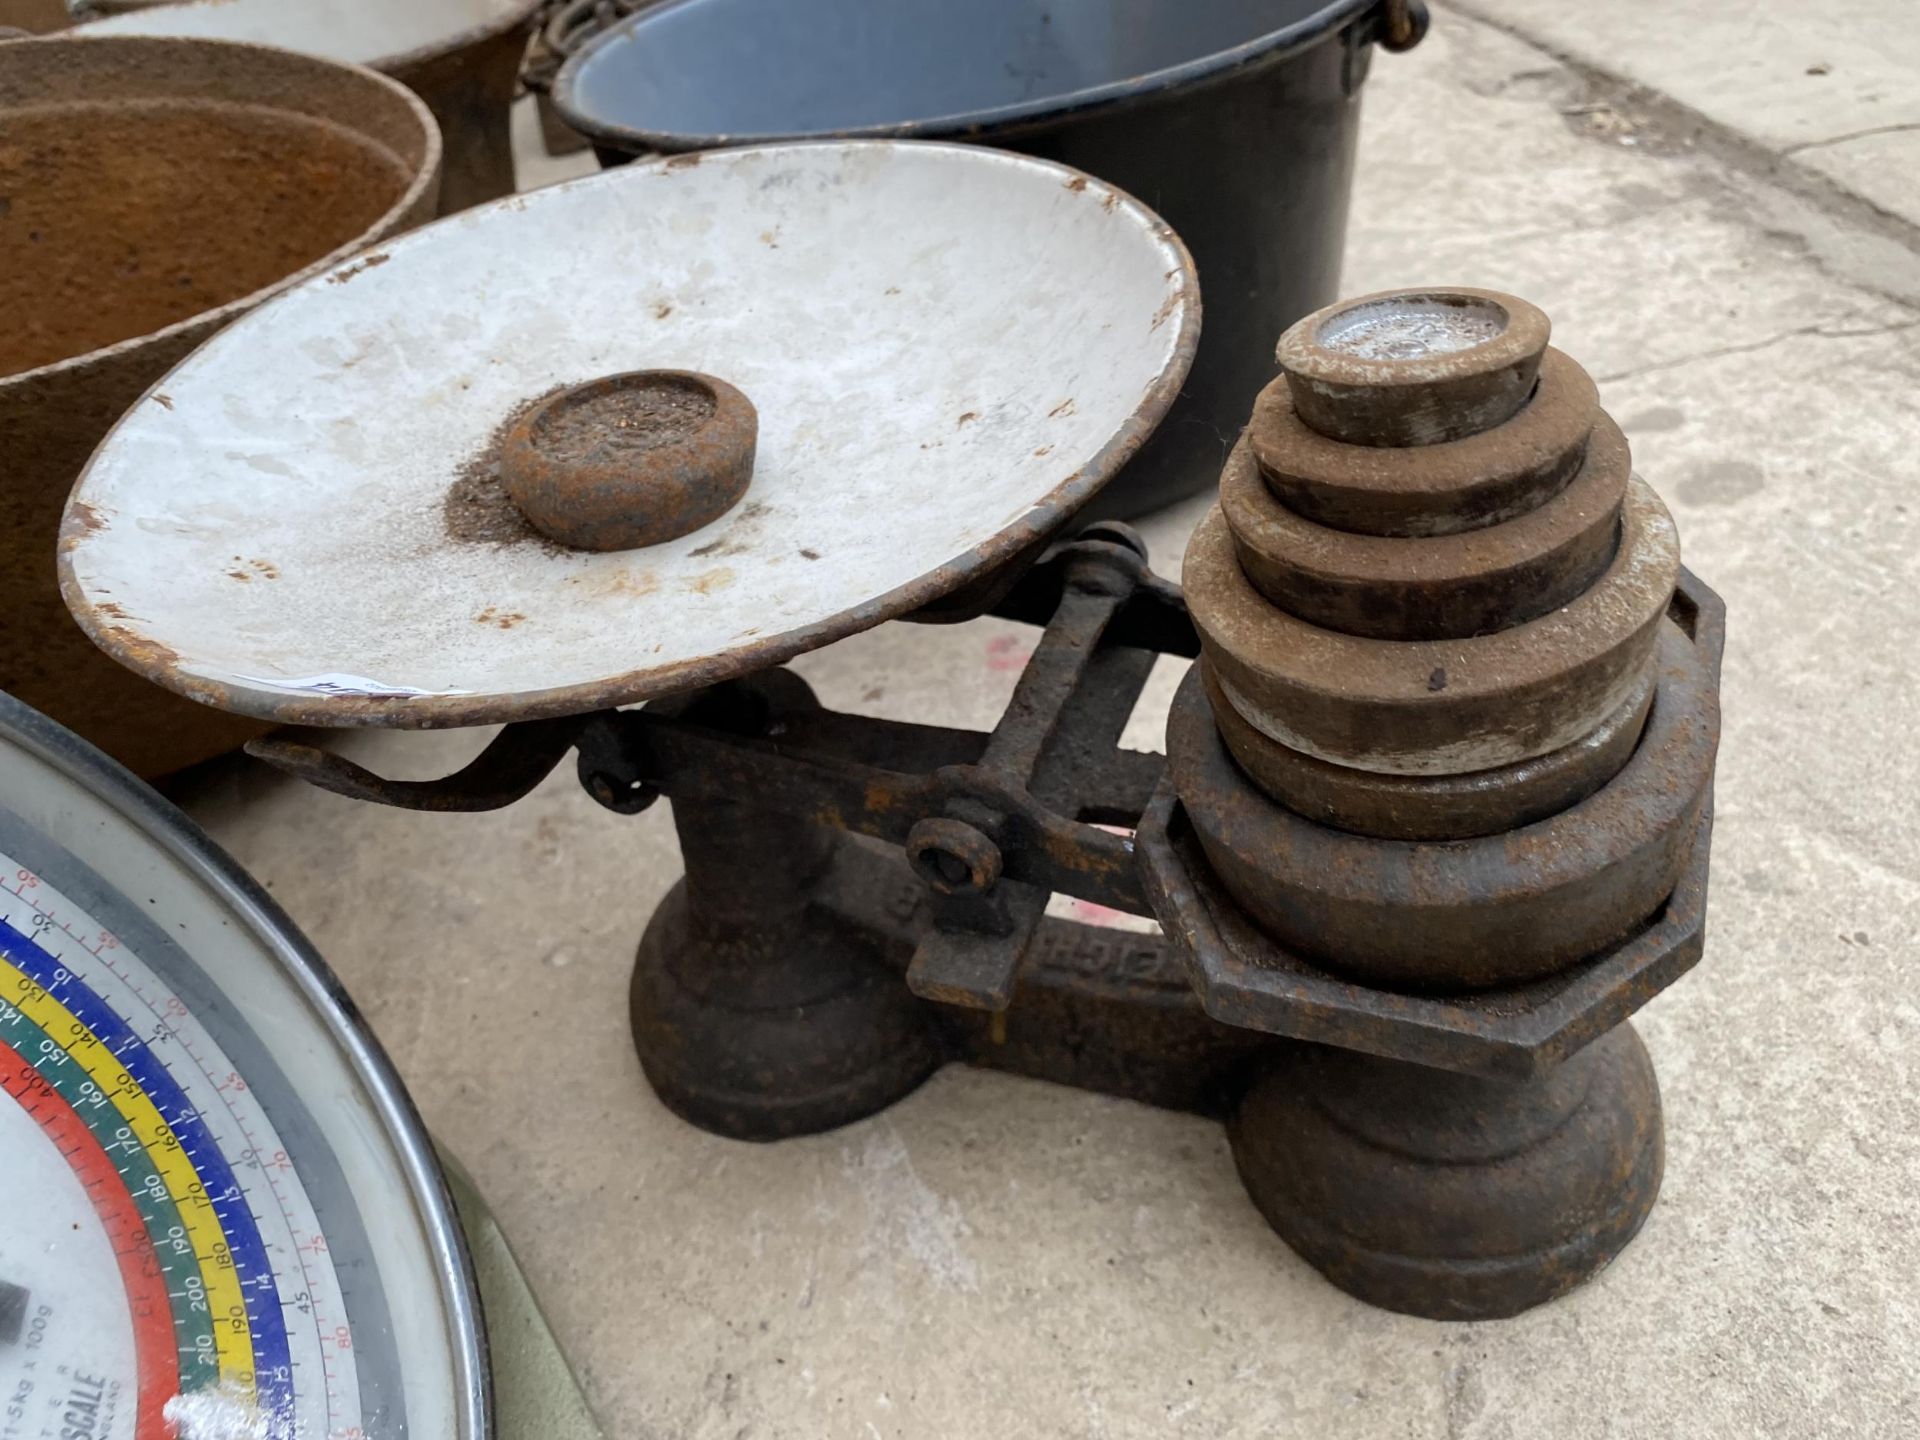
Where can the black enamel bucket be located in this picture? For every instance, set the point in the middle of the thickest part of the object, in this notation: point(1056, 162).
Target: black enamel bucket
point(1234, 119)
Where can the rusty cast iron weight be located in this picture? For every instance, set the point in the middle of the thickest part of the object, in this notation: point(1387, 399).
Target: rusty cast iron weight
point(631, 460)
point(1434, 815)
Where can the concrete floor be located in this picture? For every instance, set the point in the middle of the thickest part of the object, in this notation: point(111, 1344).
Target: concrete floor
point(1825, 92)
point(998, 1257)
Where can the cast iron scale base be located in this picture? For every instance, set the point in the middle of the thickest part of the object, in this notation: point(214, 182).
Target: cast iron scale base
point(877, 912)
point(1435, 811)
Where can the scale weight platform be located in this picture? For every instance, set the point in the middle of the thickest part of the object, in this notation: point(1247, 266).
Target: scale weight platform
point(949, 351)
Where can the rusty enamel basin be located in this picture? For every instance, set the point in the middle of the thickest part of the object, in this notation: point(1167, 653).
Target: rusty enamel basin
point(151, 190)
point(460, 56)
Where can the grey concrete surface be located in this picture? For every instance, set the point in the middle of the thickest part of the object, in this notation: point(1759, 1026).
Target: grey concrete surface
point(533, 167)
point(1001, 1258)
point(1833, 87)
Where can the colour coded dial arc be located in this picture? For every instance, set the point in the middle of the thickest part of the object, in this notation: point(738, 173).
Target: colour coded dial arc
point(220, 1217)
point(157, 1359)
point(255, 1320)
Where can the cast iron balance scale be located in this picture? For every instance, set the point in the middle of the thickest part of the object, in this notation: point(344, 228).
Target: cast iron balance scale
point(1433, 819)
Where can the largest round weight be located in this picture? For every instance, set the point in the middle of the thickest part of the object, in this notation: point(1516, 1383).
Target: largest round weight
point(1463, 914)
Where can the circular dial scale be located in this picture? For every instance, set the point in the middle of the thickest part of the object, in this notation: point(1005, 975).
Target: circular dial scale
point(217, 1222)
point(154, 1143)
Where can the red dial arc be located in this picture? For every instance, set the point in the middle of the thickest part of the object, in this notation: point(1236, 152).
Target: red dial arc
point(154, 1348)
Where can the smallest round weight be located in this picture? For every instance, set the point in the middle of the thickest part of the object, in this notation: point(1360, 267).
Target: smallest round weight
point(1413, 367)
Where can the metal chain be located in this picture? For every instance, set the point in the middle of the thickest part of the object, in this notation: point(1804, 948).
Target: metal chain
point(567, 26)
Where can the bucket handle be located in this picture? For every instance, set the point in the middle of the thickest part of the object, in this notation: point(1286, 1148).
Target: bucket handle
point(1406, 24)
point(566, 28)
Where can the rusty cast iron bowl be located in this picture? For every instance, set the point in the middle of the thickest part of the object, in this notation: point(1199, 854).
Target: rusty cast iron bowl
point(460, 56)
point(36, 17)
point(151, 190)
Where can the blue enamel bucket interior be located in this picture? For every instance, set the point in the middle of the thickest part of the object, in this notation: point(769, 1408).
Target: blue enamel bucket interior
point(697, 73)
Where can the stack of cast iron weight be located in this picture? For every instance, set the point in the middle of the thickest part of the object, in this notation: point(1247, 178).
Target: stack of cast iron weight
point(1444, 737)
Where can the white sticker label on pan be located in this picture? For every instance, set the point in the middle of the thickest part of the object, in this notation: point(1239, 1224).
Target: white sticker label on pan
point(335, 683)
